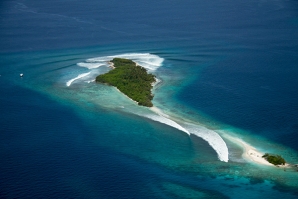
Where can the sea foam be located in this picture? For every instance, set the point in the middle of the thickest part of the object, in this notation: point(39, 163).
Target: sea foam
point(164, 120)
point(213, 139)
point(68, 83)
point(149, 61)
point(91, 65)
point(153, 62)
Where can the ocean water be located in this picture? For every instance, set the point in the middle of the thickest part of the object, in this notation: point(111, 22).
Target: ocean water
point(224, 68)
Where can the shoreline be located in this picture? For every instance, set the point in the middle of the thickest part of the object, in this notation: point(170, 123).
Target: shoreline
point(111, 65)
point(251, 154)
point(131, 79)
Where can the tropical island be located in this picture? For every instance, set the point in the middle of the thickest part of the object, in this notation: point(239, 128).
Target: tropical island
point(131, 79)
point(274, 159)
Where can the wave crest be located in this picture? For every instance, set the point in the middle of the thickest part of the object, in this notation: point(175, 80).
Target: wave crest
point(213, 139)
point(166, 121)
point(210, 136)
point(68, 83)
point(149, 61)
point(152, 62)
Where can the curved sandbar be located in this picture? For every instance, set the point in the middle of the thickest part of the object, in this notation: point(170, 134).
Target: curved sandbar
point(251, 154)
point(131, 79)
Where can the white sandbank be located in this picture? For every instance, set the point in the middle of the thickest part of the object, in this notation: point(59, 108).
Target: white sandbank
point(250, 153)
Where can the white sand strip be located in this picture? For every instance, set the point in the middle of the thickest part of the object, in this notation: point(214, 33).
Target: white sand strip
point(249, 152)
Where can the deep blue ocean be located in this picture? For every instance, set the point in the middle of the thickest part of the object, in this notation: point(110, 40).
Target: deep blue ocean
point(226, 68)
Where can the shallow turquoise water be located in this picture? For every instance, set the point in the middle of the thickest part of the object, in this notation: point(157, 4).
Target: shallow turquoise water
point(221, 71)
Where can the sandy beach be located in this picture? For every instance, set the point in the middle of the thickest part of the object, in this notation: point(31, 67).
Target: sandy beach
point(250, 153)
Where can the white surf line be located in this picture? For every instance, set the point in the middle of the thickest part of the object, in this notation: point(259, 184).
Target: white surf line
point(152, 62)
point(146, 60)
point(90, 65)
point(213, 138)
point(68, 83)
point(164, 120)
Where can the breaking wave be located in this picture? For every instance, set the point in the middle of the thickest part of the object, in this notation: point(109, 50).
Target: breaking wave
point(213, 139)
point(210, 136)
point(153, 62)
point(91, 65)
point(164, 120)
point(149, 61)
point(68, 83)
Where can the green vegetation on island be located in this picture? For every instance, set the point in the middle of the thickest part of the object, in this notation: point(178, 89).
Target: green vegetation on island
point(274, 159)
point(130, 79)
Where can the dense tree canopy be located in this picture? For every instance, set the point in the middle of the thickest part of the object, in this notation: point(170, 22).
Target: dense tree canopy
point(274, 159)
point(130, 79)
